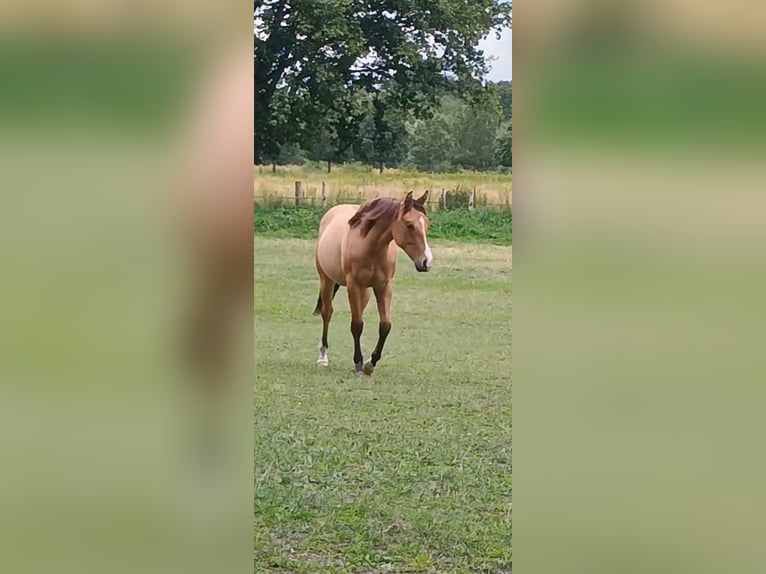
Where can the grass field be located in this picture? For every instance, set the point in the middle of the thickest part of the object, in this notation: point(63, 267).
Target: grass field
point(405, 471)
point(354, 183)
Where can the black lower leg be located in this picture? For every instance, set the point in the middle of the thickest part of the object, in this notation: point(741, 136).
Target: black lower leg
point(383, 330)
point(356, 331)
point(324, 334)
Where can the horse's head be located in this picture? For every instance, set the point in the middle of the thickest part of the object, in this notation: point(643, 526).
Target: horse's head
point(411, 231)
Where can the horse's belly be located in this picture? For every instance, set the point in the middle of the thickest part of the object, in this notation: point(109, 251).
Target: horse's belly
point(330, 243)
point(329, 259)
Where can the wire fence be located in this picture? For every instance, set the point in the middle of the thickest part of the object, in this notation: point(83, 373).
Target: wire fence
point(445, 199)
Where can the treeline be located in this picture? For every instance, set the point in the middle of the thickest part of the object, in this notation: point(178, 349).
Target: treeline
point(460, 135)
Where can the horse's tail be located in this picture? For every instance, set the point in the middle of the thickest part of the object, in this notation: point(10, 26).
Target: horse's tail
point(318, 308)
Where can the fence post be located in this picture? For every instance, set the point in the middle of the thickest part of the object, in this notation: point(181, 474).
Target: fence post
point(324, 194)
point(472, 198)
point(443, 201)
point(298, 192)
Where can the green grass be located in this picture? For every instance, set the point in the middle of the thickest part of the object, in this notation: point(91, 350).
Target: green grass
point(480, 225)
point(405, 471)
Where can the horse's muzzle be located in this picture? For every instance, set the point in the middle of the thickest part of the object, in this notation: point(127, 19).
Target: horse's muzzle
point(422, 267)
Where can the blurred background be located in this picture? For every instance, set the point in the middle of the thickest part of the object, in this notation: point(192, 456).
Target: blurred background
point(638, 289)
point(126, 257)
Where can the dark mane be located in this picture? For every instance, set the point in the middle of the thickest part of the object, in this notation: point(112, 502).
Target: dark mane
point(379, 209)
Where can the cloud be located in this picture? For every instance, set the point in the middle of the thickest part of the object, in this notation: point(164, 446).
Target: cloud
point(500, 54)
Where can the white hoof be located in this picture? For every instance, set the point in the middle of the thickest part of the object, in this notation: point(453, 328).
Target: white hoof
point(322, 361)
point(368, 368)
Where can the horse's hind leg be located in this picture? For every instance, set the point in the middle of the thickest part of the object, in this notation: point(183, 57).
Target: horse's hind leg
point(327, 290)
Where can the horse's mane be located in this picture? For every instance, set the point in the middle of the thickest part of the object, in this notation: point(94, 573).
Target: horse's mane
point(379, 209)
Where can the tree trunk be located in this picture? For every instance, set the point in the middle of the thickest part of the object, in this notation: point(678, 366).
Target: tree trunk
point(329, 166)
point(273, 167)
point(380, 166)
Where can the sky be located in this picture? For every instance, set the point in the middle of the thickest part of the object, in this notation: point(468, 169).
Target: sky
point(502, 52)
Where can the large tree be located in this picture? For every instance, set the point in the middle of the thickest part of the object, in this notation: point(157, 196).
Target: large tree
point(334, 132)
point(317, 52)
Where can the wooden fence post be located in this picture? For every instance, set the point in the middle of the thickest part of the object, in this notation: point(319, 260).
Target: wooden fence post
point(443, 201)
point(324, 194)
point(298, 192)
point(472, 198)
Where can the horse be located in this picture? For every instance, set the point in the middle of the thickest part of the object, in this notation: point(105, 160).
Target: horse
point(357, 248)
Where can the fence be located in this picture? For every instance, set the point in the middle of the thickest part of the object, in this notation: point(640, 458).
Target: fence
point(444, 199)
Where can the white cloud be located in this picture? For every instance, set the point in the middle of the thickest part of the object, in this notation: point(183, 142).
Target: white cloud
point(500, 53)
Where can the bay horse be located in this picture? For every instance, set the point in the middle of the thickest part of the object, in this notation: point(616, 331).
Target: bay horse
point(357, 248)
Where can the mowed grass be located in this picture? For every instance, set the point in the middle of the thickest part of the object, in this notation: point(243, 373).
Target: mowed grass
point(405, 471)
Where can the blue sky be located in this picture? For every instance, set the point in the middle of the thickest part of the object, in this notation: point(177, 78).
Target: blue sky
point(501, 51)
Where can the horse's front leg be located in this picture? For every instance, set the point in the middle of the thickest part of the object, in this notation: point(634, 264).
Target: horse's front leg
point(356, 299)
point(383, 295)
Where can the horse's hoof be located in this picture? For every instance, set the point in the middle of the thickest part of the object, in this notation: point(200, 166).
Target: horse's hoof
point(359, 373)
point(323, 362)
point(368, 368)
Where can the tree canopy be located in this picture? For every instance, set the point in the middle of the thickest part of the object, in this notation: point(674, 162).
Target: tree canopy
point(343, 74)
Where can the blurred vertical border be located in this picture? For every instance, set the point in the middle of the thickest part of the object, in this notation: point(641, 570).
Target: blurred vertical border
point(126, 308)
point(638, 287)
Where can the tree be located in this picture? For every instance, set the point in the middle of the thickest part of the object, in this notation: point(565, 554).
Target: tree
point(504, 91)
point(474, 129)
point(382, 136)
point(325, 146)
point(280, 131)
point(459, 135)
point(432, 144)
point(332, 136)
point(504, 146)
point(312, 51)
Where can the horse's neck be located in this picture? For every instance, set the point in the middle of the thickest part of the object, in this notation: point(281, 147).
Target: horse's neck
point(379, 238)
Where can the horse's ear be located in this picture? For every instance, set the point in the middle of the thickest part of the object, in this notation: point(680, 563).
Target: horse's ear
point(407, 202)
point(421, 201)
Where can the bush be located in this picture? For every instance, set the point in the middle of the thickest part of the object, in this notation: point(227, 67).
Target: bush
point(458, 198)
point(291, 154)
point(286, 221)
point(312, 165)
point(479, 225)
point(490, 225)
point(357, 168)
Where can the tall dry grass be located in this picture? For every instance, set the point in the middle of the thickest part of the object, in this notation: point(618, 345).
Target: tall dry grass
point(355, 183)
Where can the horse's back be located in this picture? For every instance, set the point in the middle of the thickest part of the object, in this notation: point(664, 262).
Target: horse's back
point(332, 229)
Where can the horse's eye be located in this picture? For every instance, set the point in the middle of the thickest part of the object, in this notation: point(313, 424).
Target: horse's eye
point(410, 226)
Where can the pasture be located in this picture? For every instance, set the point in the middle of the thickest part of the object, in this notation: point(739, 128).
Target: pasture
point(405, 471)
